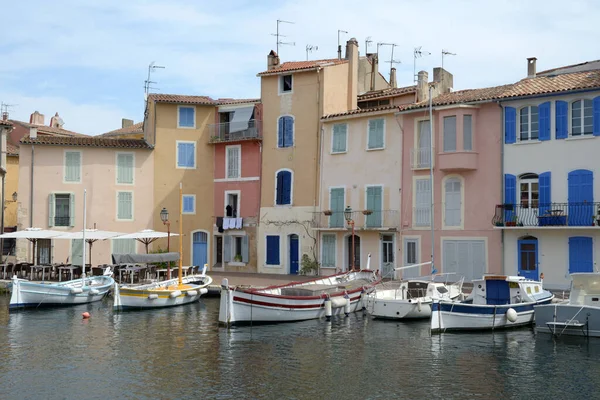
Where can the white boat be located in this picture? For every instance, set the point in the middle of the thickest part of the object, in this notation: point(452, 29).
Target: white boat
point(297, 301)
point(496, 302)
point(578, 316)
point(26, 294)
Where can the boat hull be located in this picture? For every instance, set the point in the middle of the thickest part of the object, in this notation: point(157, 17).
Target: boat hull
point(25, 294)
point(568, 319)
point(152, 296)
point(452, 316)
point(389, 308)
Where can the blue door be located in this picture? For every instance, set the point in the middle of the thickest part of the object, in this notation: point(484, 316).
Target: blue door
point(581, 254)
point(497, 292)
point(199, 249)
point(581, 198)
point(294, 254)
point(528, 258)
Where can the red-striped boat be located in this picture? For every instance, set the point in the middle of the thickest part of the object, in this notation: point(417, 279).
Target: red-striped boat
point(296, 301)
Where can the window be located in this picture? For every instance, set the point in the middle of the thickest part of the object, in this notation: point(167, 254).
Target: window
point(125, 206)
point(376, 134)
point(374, 202)
point(272, 250)
point(450, 133)
point(529, 190)
point(186, 154)
point(422, 202)
point(61, 209)
point(411, 257)
point(388, 249)
point(125, 163)
point(467, 133)
point(337, 199)
point(73, 166)
point(186, 117)
point(189, 204)
point(285, 85)
point(283, 189)
point(453, 202)
point(285, 132)
point(423, 156)
point(124, 246)
point(528, 123)
point(233, 161)
point(235, 249)
point(339, 138)
point(232, 204)
point(328, 251)
point(582, 117)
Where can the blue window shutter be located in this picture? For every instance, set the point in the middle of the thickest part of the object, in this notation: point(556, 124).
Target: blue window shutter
point(597, 116)
point(286, 195)
point(581, 254)
point(510, 195)
point(545, 192)
point(279, 188)
point(562, 122)
point(280, 132)
point(510, 125)
point(272, 250)
point(544, 120)
point(288, 132)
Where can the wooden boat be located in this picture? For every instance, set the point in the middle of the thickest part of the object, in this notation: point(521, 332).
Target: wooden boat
point(26, 294)
point(322, 297)
point(496, 302)
point(578, 316)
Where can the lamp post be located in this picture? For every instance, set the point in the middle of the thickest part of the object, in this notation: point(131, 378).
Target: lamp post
point(350, 221)
point(164, 217)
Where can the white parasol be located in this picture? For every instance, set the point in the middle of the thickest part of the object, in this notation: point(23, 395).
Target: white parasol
point(33, 235)
point(90, 236)
point(146, 236)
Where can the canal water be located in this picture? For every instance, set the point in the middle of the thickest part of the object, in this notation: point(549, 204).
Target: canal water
point(182, 353)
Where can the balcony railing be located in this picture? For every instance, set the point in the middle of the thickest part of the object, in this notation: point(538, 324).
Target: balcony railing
point(62, 221)
point(363, 220)
point(547, 215)
point(229, 132)
point(420, 158)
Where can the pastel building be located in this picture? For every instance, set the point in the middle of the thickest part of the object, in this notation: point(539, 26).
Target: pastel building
point(550, 214)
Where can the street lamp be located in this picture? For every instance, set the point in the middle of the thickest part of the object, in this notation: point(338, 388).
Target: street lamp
point(350, 221)
point(164, 217)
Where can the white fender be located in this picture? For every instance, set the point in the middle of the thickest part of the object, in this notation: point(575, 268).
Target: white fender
point(191, 293)
point(76, 290)
point(338, 302)
point(203, 291)
point(94, 292)
point(511, 315)
point(175, 293)
point(152, 296)
point(328, 310)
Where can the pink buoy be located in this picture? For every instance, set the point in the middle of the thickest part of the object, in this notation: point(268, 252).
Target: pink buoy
point(86, 315)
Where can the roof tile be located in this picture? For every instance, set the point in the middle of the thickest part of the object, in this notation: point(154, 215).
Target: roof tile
point(291, 66)
point(388, 92)
point(90, 141)
point(132, 129)
point(181, 99)
point(48, 129)
point(11, 150)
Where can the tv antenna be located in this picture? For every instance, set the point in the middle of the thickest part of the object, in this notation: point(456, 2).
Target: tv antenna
point(309, 49)
point(418, 53)
point(148, 82)
point(4, 109)
point(278, 35)
point(446, 53)
point(367, 41)
point(392, 61)
point(339, 44)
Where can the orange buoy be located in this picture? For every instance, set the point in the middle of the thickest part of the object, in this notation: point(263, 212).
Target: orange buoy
point(86, 315)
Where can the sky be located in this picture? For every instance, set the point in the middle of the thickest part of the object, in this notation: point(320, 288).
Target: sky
point(88, 60)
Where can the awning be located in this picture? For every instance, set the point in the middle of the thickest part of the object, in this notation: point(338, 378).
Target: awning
point(240, 119)
point(144, 258)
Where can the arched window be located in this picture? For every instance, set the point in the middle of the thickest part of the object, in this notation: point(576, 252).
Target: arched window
point(582, 117)
point(285, 131)
point(529, 190)
point(283, 187)
point(529, 123)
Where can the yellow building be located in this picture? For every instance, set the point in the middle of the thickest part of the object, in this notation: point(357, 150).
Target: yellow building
point(11, 185)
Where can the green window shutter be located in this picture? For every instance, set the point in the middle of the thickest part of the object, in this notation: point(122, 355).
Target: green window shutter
point(125, 168)
point(51, 208)
point(245, 257)
point(340, 132)
point(374, 197)
point(328, 255)
point(375, 140)
point(76, 251)
point(226, 248)
point(124, 205)
point(124, 246)
point(337, 200)
point(72, 166)
point(72, 210)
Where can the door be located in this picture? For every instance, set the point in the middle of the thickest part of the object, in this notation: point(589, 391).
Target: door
point(464, 258)
point(356, 251)
point(581, 254)
point(294, 248)
point(44, 247)
point(219, 251)
point(199, 249)
point(387, 256)
point(411, 257)
point(497, 292)
point(528, 258)
point(452, 206)
point(581, 198)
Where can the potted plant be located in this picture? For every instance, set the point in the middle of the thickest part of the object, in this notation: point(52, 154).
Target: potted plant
point(512, 222)
point(309, 266)
point(237, 258)
point(498, 223)
point(367, 212)
point(328, 212)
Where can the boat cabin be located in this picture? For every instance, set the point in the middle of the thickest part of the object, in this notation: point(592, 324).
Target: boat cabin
point(500, 290)
point(585, 289)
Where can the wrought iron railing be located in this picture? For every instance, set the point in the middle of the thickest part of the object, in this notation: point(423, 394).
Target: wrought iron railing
point(547, 214)
point(227, 131)
point(420, 158)
point(62, 221)
point(366, 219)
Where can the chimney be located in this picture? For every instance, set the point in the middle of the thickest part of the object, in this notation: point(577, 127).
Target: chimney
point(393, 78)
point(374, 69)
point(531, 67)
point(126, 122)
point(36, 118)
point(422, 86)
point(445, 80)
point(340, 52)
point(33, 133)
point(4, 115)
point(56, 121)
point(272, 60)
point(352, 57)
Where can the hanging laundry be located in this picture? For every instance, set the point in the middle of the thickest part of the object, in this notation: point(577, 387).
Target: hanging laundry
point(238, 223)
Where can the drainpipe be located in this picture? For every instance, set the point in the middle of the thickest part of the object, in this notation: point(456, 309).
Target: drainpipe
point(31, 189)
point(318, 171)
point(2, 223)
point(502, 257)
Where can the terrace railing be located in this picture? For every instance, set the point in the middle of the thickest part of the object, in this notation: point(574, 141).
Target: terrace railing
point(547, 215)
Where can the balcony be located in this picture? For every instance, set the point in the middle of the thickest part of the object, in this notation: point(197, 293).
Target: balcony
point(551, 215)
point(386, 220)
point(234, 132)
point(458, 161)
point(420, 158)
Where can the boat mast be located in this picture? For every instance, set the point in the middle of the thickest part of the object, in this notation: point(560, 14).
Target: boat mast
point(83, 240)
point(180, 230)
point(431, 185)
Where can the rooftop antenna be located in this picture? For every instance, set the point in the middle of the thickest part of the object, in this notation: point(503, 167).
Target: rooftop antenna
point(367, 41)
point(339, 44)
point(418, 53)
point(4, 110)
point(445, 53)
point(148, 82)
point(309, 49)
point(379, 44)
point(392, 61)
point(278, 35)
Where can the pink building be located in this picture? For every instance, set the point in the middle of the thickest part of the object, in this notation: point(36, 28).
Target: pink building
point(237, 140)
point(467, 132)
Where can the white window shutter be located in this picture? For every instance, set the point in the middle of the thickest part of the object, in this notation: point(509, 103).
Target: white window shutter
point(226, 248)
point(51, 208)
point(72, 210)
point(245, 256)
